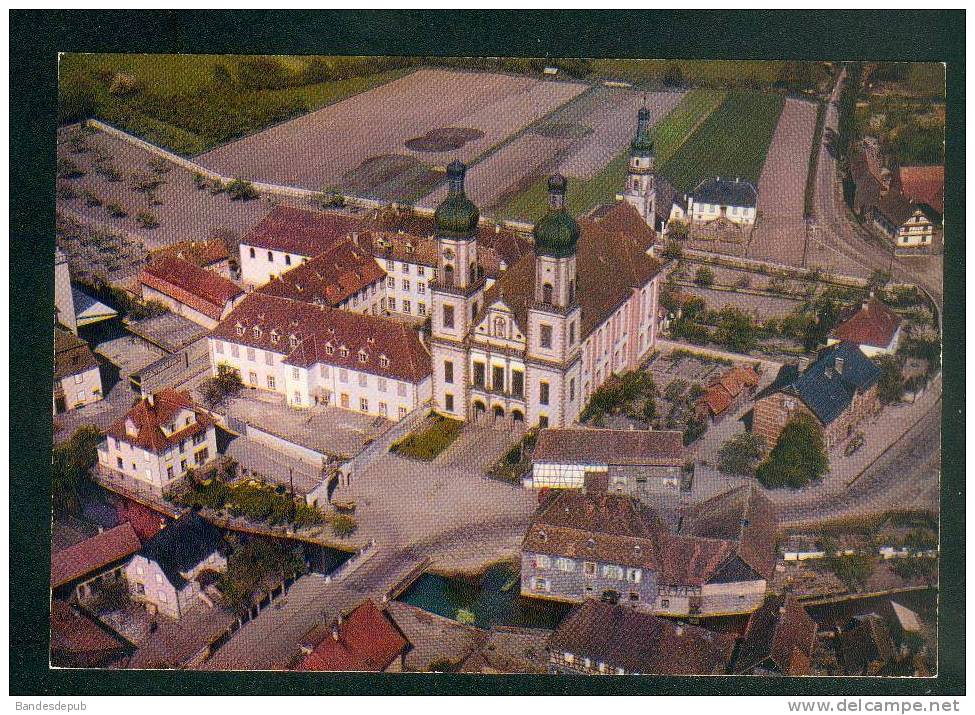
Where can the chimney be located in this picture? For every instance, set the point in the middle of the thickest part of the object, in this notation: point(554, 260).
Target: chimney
point(151, 400)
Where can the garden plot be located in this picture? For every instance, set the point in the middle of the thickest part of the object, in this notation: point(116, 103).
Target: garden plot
point(463, 113)
point(109, 189)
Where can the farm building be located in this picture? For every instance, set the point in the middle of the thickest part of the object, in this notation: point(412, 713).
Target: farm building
point(600, 639)
point(211, 255)
point(839, 390)
point(186, 289)
point(923, 185)
point(779, 639)
point(606, 546)
point(871, 325)
point(77, 376)
point(556, 324)
point(724, 200)
point(79, 570)
point(317, 355)
point(365, 640)
point(727, 393)
point(627, 461)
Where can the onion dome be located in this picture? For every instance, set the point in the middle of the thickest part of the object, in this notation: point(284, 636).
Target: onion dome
point(643, 141)
point(456, 216)
point(556, 233)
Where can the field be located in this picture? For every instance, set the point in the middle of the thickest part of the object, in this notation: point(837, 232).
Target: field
point(384, 143)
point(782, 184)
point(753, 74)
point(731, 142)
point(669, 133)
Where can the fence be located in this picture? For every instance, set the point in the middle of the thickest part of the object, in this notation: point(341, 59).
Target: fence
point(353, 562)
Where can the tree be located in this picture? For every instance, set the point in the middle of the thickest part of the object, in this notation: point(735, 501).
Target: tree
point(878, 279)
point(344, 525)
point(225, 384)
point(735, 330)
point(890, 386)
point(673, 250)
point(741, 453)
point(240, 190)
point(695, 428)
point(649, 409)
point(798, 457)
point(72, 460)
point(673, 77)
point(704, 277)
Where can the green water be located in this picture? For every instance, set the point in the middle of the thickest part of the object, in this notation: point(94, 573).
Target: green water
point(489, 599)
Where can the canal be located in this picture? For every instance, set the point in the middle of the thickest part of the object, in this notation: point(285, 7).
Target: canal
point(485, 600)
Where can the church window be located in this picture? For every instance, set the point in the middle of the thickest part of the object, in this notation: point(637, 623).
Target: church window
point(547, 293)
point(448, 402)
point(473, 273)
point(448, 275)
point(252, 252)
point(543, 393)
point(572, 333)
point(448, 371)
point(270, 257)
point(448, 316)
point(572, 291)
point(572, 389)
point(545, 336)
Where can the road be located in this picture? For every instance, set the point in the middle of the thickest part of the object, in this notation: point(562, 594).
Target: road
point(834, 231)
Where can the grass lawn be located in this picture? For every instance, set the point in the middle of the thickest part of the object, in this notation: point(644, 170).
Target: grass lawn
point(430, 439)
point(732, 142)
point(669, 134)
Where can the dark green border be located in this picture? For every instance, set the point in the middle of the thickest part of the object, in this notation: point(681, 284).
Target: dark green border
point(36, 37)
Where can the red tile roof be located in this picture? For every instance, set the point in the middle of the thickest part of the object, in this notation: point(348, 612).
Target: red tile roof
point(330, 278)
point(723, 391)
point(200, 253)
point(365, 641)
point(608, 446)
point(299, 231)
point(872, 323)
point(924, 184)
point(150, 414)
point(200, 289)
point(92, 554)
point(319, 330)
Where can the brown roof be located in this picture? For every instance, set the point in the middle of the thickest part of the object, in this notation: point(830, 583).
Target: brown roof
point(742, 516)
point(895, 207)
point(422, 250)
point(365, 641)
point(692, 560)
point(151, 414)
point(329, 278)
point(610, 265)
point(78, 641)
point(641, 643)
point(868, 185)
point(71, 355)
point(871, 323)
point(604, 527)
point(92, 554)
point(607, 446)
point(622, 218)
point(200, 289)
point(320, 329)
point(299, 231)
point(723, 391)
point(924, 184)
point(866, 646)
point(199, 253)
point(781, 635)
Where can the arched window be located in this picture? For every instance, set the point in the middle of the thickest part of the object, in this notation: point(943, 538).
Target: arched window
point(448, 275)
point(547, 293)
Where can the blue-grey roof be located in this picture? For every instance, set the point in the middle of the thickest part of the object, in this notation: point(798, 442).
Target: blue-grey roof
point(183, 545)
point(825, 389)
point(726, 192)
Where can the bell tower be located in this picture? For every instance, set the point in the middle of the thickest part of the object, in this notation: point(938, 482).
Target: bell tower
point(641, 189)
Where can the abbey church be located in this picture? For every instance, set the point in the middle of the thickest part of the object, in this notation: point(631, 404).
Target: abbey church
point(560, 321)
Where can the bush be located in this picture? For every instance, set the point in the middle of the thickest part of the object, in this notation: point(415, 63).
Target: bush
point(735, 330)
point(798, 458)
point(225, 384)
point(140, 310)
point(673, 250)
point(68, 169)
point(116, 210)
point(853, 571)
point(66, 192)
point(918, 568)
point(71, 462)
point(344, 525)
point(694, 429)
point(147, 219)
point(430, 439)
point(108, 170)
point(91, 198)
point(740, 454)
point(240, 190)
point(704, 277)
point(890, 386)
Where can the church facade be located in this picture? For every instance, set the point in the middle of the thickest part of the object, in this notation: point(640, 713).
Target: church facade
point(535, 345)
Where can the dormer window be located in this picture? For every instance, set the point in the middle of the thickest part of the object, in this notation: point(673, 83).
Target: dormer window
point(293, 341)
point(343, 352)
point(329, 349)
point(363, 357)
point(383, 361)
point(240, 329)
point(275, 337)
point(257, 332)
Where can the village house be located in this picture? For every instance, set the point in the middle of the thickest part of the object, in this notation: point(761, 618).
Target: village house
point(723, 199)
point(317, 355)
point(727, 393)
point(165, 575)
point(211, 255)
point(908, 222)
point(839, 390)
point(779, 639)
point(286, 237)
point(615, 548)
point(923, 185)
point(604, 639)
point(158, 440)
point(77, 377)
point(555, 325)
point(186, 289)
point(633, 462)
point(870, 325)
point(78, 571)
point(865, 646)
point(365, 640)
